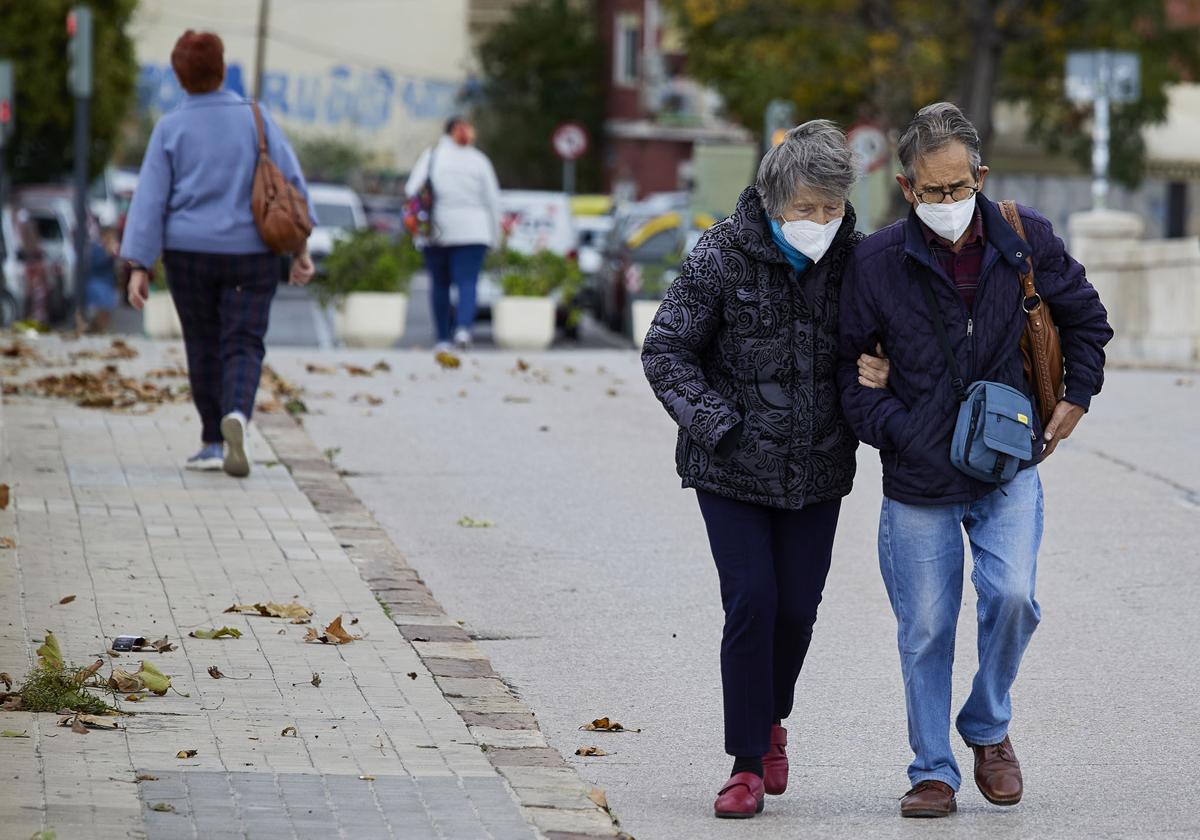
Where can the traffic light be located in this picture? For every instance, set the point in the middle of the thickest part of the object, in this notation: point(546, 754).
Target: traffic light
point(79, 51)
point(6, 100)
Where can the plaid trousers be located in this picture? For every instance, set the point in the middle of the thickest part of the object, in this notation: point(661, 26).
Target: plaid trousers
point(224, 303)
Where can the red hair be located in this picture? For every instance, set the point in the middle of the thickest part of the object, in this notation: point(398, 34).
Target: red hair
point(199, 61)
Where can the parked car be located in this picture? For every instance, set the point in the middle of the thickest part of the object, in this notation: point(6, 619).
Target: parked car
point(110, 194)
point(644, 239)
point(385, 213)
point(32, 278)
point(52, 210)
point(12, 271)
point(339, 212)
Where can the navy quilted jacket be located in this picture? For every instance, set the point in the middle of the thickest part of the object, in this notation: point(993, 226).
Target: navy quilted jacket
point(743, 355)
point(912, 421)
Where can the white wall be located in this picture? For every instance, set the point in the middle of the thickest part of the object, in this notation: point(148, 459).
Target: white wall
point(382, 73)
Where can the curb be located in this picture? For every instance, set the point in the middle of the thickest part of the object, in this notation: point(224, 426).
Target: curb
point(551, 794)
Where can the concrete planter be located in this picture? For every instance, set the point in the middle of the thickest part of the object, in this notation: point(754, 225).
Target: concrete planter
point(643, 316)
point(370, 319)
point(523, 323)
point(159, 318)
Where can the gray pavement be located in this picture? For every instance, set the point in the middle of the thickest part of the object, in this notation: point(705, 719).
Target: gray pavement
point(594, 594)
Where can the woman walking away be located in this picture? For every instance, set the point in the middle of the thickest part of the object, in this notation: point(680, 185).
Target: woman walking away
point(465, 223)
point(742, 354)
point(192, 204)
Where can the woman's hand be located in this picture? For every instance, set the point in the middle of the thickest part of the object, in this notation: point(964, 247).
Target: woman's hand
point(302, 270)
point(873, 370)
point(139, 288)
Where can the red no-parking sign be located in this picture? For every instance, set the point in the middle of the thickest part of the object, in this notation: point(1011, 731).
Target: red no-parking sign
point(570, 141)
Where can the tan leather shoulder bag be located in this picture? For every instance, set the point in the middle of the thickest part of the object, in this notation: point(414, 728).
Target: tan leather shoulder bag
point(280, 211)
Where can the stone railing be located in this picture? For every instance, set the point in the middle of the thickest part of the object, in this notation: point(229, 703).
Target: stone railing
point(1150, 287)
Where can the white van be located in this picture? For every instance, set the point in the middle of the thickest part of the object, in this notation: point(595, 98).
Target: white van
point(530, 221)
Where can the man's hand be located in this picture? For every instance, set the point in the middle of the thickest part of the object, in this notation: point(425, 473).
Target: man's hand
point(873, 370)
point(139, 288)
point(302, 270)
point(1062, 423)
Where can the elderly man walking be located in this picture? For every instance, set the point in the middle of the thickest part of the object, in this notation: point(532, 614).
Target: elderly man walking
point(940, 292)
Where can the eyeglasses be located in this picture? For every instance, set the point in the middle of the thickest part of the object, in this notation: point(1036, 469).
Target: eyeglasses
point(936, 195)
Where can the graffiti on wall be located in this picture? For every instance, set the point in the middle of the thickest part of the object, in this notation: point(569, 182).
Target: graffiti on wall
point(366, 99)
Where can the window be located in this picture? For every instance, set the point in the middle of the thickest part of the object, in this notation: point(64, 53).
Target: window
point(627, 63)
point(335, 215)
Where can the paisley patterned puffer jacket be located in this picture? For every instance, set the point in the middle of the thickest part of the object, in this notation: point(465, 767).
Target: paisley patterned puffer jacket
point(745, 346)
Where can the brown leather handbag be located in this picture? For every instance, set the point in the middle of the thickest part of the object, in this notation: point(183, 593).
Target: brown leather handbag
point(1040, 347)
point(280, 211)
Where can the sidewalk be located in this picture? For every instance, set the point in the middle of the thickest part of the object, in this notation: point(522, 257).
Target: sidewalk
point(101, 510)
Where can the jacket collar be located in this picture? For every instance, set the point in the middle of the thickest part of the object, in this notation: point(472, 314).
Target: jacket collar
point(998, 232)
point(752, 230)
point(220, 96)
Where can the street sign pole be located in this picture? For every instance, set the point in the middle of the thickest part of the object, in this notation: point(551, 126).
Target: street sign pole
point(569, 177)
point(79, 52)
point(570, 142)
point(1101, 78)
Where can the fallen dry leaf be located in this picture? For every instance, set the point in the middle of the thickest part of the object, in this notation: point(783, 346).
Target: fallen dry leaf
point(89, 671)
point(7, 542)
point(186, 753)
point(231, 632)
point(367, 778)
point(469, 522)
point(322, 369)
point(272, 610)
point(7, 679)
point(590, 751)
point(134, 698)
point(215, 672)
point(605, 725)
point(517, 400)
point(80, 720)
point(335, 634)
point(3, 496)
point(612, 392)
point(597, 796)
point(162, 645)
point(316, 679)
point(522, 365)
point(145, 777)
point(77, 726)
point(49, 655)
point(67, 599)
point(288, 731)
point(355, 370)
point(412, 675)
point(163, 807)
point(447, 360)
point(382, 366)
point(124, 681)
point(12, 733)
point(369, 399)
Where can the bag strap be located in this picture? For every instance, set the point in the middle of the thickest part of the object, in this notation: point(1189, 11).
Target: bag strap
point(258, 124)
point(1008, 209)
point(939, 325)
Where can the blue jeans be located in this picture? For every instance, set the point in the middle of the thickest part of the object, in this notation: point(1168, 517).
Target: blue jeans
point(921, 557)
point(458, 265)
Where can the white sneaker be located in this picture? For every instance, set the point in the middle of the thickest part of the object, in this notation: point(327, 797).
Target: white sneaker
point(462, 338)
point(209, 459)
point(237, 456)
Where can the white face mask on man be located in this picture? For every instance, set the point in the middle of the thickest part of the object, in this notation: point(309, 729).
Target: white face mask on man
point(809, 238)
point(949, 221)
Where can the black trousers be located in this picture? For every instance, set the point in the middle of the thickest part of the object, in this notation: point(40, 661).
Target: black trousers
point(224, 304)
point(772, 564)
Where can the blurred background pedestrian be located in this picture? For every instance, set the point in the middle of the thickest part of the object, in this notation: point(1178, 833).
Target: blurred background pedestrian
point(466, 223)
point(193, 205)
point(101, 293)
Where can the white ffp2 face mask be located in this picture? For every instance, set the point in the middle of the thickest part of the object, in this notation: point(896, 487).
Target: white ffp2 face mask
point(948, 221)
point(809, 238)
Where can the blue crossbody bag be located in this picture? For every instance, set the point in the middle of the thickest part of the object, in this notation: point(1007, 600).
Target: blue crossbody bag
point(994, 431)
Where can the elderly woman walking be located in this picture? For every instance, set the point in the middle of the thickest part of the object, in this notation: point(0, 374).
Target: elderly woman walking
point(743, 355)
point(192, 205)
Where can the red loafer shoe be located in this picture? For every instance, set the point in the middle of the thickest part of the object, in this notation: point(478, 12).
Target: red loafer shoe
point(775, 763)
point(741, 798)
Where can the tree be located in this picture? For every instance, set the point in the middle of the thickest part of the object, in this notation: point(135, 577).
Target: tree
point(34, 36)
point(541, 67)
point(882, 59)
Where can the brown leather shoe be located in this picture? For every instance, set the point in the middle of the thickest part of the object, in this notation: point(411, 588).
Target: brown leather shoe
point(998, 773)
point(929, 798)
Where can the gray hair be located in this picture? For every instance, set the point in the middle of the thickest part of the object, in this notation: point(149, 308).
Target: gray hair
point(935, 127)
point(813, 155)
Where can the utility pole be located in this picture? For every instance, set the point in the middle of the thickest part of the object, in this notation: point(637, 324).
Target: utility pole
point(79, 80)
point(6, 127)
point(260, 49)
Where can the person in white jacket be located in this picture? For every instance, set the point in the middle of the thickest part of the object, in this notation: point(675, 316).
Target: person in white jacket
point(466, 222)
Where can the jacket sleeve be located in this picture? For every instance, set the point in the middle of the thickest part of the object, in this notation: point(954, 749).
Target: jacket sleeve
point(876, 415)
point(1081, 318)
point(142, 240)
point(491, 199)
point(684, 326)
point(420, 172)
point(285, 158)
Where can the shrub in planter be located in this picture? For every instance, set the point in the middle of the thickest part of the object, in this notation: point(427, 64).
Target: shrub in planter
point(524, 317)
point(366, 277)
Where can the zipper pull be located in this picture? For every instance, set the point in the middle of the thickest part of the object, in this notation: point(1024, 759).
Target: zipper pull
point(970, 327)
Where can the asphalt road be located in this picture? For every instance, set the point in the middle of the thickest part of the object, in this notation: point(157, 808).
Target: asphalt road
point(594, 594)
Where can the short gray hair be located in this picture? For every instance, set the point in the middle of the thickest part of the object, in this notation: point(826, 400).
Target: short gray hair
point(813, 155)
point(935, 127)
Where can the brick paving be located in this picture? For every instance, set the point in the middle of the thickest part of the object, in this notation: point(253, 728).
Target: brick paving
point(410, 733)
